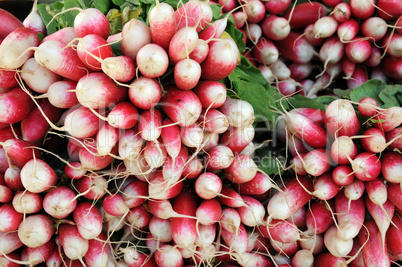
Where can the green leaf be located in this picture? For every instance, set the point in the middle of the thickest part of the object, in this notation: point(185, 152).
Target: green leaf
point(118, 2)
point(391, 96)
point(371, 88)
point(269, 161)
point(102, 5)
point(236, 35)
point(343, 93)
point(216, 11)
point(247, 72)
point(299, 101)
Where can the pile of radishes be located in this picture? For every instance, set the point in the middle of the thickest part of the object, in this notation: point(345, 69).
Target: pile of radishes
point(161, 172)
point(305, 47)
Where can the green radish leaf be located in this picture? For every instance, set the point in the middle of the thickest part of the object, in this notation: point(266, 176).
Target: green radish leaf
point(371, 88)
point(343, 93)
point(391, 96)
point(299, 101)
point(102, 5)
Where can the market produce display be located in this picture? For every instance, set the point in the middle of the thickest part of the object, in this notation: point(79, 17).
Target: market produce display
point(193, 133)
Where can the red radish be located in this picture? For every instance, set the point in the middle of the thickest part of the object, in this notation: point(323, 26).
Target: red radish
point(27, 202)
point(388, 119)
point(220, 157)
point(358, 50)
point(60, 202)
point(149, 124)
point(119, 68)
point(215, 30)
point(36, 230)
point(350, 215)
point(132, 257)
point(155, 154)
point(375, 28)
point(81, 123)
point(91, 21)
point(242, 169)
point(91, 49)
point(213, 120)
point(37, 77)
point(182, 107)
point(362, 9)
point(98, 253)
point(135, 193)
point(37, 176)
point(394, 195)
point(65, 35)
point(187, 73)
point(6, 194)
point(391, 167)
point(171, 138)
point(7, 81)
point(74, 245)
point(9, 242)
point(200, 51)
point(230, 220)
point(394, 237)
point(115, 205)
point(239, 112)
point(152, 60)
point(159, 188)
point(10, 218)
point(343, 175)
point(173, 167)
point(317, 162)
point(275, 28)
point(208, 185)
point(240, 18)
point(296, 48)
point(184, 230)
point(327, 259)
point(305, 14)
point(145, 93)
point(354, 190)
point(336, 245)
point(20, 151)
point(162, 23)
point(286, 248)
point(139, 217)
point(210, 141)
point(267, 73)
point(367, 106)
point(277, 6)
point(303, 258)
point(96, 90)
point(60, 96)
point(325, 27)
point(374, 251)
point(325, 188)
point(297, 164)
point(193, 169)
point(348, 30)
point(378, 73)
point(392, 67)
point(10, 22)
point(284, 204)
point(393, 139)
point(280, 70)
point(207, 235)
point(237, 139)
point(389, 9)
point(12, 178)
point(92, 186)
point(373, 140)
point(14, 105)
point(265, 52)
point(319, 217)
point(160, 229)
point(221, 60)
point(282, 231)
point(14, 56)
point(253, 32)
point(61, 60)
point(168, 256)
point(37, 255)
point(343, 149)
point(182, 44)
point(74, 170)
point(91, 160)
point(208, 212)
point(10, 260)
point(124, 115)
point(237, 241)
point(135, 35)
point(230, 198)
point(341, 119)
point(252, 213)
point(366, 166)
point(35, 126)
point(310, 36)
point(300, 71)
point(342, 12)
point(88, 220)
point(255, 11)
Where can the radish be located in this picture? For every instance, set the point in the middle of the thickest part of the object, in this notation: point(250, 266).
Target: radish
point(366, 166)
point(240, 19)
point(119, 68)
point(168, 256)
point(61, 60)
point(280, 70)
point(375, 28)
point(27, 202)
point(239, 112)
point(327, 259)
point(60, 95)
point(373, 140)
point(14, 105)
point(220, 157)
point(367, 106)
point(74, 246)
point(325, 188)
point(139, 217)
point(212, 94)
point(392, 67)
point(92, 160)
point(182, 44)
point(362, 9)
point(303, 258)
point(265, 52)
point(277, 6)
point(253, 32)
point(37, 255)
point(10, 218)
point(182, 107)
point(91, 21)
point(255, 11)
point(236, 241)
point(213, 120)
point(310, 36)
point(152, 60)
point(91, 49)
point(98, 253)
point(358, 50)
point(208, 213)
point(388, 119)
point(282, 231)
point(392, 138)
point(92, 186)
point(7, 81)
point(374, 251)
point(242, 169)
point(74, 170)
point(343, 175)
point(36, 230)
point(342, 12)
point(149, 124)
point(155, 154)
point(317, 162)
point(159, 188)
point(9, 242)
point(394, 237)
point(391, 167)
point(11, 23)
point(200, 51)
point(88, 220)
point(115, 205)
point(162, 24)
point(305, 14)
point(337, 246)
point(295, 48)
point(230, 198)
point(193, 13)
point(37, 176)
point(284, 204)
point(135, 35)
point(275, 28)
point(208, 185)
point(37, 77)
point(124, 115)
point(14, 56)
point(288, 249)
point(319, 217)
point(350, 215)
point(193, 168)
point(170, 136)
point(341, 119)
point(221, 60)
point(252, 213)
point(394, 195)
point(160, 229)
point(12, 178)
point(60, 202)
point(144, 93)
point(348, 30)
point(187, 73)
point(325, 27)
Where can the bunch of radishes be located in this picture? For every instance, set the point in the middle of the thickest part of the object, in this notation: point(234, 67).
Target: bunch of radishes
point(305, 47)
